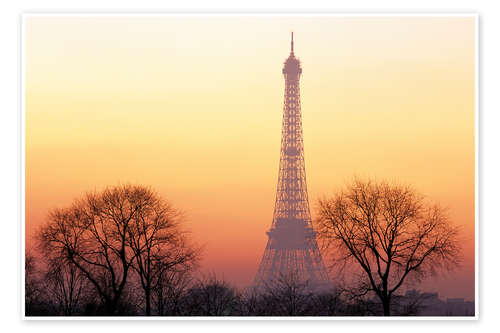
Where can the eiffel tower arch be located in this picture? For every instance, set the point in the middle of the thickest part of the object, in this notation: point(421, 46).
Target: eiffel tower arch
point(292, 250)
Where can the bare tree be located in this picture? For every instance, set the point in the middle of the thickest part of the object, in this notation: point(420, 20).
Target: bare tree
point(288, 295)
point(389, 234)
point(327, 303)
point(100, 235)
point(253, 302)
point(211, 296)
point(414, 303)
point(158, 243)
point(66, 285)
point(33, 291)
point(168, 291)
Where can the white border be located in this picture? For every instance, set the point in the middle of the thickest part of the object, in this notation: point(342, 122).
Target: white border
point(22, 160)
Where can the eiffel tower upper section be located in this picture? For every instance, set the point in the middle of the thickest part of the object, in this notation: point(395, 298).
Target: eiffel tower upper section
point(292, 204)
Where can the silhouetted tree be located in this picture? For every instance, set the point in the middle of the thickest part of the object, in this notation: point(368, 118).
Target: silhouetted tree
point(169, 289)
point(326, 303)
point(34, 293)
point(389, 233)
point(106, 234)
point(288, 296)
point(252, 303)
point(211, 297)
point(158, 243)
point(66, 286)
point(411, 304)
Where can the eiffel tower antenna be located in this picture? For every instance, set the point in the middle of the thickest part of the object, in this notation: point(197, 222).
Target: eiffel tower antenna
point(292, 250)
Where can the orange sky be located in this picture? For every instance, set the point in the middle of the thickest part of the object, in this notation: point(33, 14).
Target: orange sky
point(192, 106)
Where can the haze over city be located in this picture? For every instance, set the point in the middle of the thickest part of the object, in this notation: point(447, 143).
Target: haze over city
point(192, 106)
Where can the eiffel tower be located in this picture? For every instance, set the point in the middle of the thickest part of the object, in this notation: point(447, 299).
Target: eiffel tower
point(292, 250)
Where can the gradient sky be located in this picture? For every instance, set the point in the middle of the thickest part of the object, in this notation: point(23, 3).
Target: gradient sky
point(192, 106)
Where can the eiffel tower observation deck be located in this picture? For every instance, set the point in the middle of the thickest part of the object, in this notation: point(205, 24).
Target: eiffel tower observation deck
point(292, 250)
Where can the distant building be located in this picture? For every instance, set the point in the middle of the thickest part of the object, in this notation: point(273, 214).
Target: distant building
point(459, 307)
point(429, 304)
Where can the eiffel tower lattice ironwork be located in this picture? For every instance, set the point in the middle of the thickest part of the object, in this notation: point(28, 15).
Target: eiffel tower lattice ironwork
point(292, 248)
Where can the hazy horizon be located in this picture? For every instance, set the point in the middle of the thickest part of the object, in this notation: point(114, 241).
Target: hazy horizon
point(192, 106)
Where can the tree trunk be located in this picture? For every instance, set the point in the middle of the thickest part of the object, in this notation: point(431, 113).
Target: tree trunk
point(111, 305)
point(387, 306)
point(148, 301)
point(110, 308)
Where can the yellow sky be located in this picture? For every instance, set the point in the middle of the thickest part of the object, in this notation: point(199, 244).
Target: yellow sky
point(193, 106)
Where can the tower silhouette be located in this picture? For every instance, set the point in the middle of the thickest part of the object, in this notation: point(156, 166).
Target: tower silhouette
point(292, 250)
